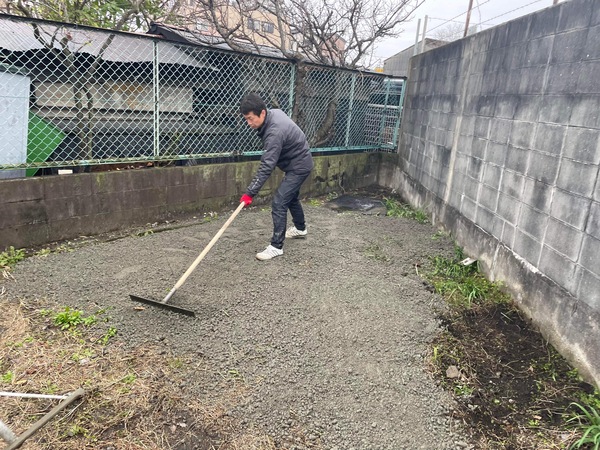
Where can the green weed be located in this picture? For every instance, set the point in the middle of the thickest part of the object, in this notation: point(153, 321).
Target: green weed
point(588, 424)
point(7, 377)
point(69, 319)
point(11, 257)
point(397, 209)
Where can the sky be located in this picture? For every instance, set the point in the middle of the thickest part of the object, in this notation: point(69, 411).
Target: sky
point(485, 14)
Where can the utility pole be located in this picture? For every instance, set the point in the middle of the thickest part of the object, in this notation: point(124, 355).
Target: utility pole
point(469, 17)
point(417, 38)
point(424, 32)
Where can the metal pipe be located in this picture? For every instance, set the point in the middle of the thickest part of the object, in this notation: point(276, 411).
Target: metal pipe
point(468, 17)
point(156, 99)
point(350, 106)
point(417, 38)
point(44, 420)
point(17, 394)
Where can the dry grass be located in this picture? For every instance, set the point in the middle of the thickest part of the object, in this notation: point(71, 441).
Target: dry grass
point(134, 397)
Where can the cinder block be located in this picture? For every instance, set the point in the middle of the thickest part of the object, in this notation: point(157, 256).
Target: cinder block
point(556, 108)
point(544, 23)
point(488, 221)
point(468, 208)
point(512, 183)
point(19, 190)
point(571, 209)
point(537, 194)
point(532, 221)
point(589, 289)
point(478, 147)
point(500, 130)
point(528, 108)
point(492, 176)
point(564, 238)
point(475, 168)
point(586, 111)
point(589, 254)
point(506, 105)
point(577, 14)
point(532, 80)
point(481, 128)
point(549, 138)
point(517, 159)
point(559, 269)
point(508, 208)
point(486, 105)
point(592, 49)
point(527, 247)
point(496, 153)
point(508, 234)
point(593, 223)
point(538, 51)
point(577, 177)
point(581, 145)
point(521, 134)
point(22, 213)
point(488, 198)
point(543, 167)
point(589, 80)
point(563, 78)
point(569, 46)
point(58, 209)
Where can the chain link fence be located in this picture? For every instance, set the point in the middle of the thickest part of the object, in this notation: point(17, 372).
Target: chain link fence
point(77, 96)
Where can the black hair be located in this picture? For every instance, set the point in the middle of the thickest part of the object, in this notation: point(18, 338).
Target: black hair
point(252, 103)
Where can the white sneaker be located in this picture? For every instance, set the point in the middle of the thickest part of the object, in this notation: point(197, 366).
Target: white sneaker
point(294, 232)
point(269, 253)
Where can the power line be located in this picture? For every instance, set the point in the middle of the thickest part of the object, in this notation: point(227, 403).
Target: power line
point(511, 11)
point(456, 17)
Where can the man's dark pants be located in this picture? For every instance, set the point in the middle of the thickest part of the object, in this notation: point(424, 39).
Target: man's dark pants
point(286, 198)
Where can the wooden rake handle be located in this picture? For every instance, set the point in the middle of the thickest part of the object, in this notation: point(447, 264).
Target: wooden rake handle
point(207, 248)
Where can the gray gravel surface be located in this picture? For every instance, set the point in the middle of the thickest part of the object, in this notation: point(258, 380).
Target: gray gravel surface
point(331, 339)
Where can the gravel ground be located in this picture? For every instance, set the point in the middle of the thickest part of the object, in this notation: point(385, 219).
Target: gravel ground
point(330, 339)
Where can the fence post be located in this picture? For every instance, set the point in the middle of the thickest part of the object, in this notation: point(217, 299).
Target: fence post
point(350, 107)
point(292, 85)
point(387, 81)
point(399, 117)
point(156, 99)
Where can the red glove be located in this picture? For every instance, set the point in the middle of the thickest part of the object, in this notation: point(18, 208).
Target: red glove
point(246, 199)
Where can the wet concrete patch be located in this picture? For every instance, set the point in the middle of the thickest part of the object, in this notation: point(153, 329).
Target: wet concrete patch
point(366, 205)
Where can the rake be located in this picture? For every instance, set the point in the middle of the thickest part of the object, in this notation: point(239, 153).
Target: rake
point(164, 303)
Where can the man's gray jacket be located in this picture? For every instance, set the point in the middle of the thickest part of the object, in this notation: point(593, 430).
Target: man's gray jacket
point(285, 146)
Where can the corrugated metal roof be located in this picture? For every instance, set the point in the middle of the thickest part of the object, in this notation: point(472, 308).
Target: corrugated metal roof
point(176, 33)
point(19, 36)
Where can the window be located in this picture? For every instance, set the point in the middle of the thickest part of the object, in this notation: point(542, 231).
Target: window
point(253, 24)
point(268, 27)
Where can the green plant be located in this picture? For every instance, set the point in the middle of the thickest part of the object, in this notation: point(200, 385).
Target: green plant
point(43, 252)
point(129, 379)
point(8, 377)
point(588, 423)
point(397, 209)
point(462, 390)
point(315, 202)
point(111, 332)
point(71, 318)
point(375, 251)
point(143, 233)
point(11, 257)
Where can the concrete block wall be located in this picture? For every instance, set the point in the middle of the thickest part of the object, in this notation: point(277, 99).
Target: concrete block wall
point(500, 140)
point(37, 211)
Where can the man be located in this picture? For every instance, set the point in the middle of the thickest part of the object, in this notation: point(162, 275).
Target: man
point(285, 146)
